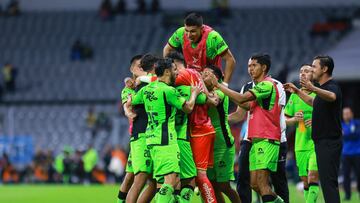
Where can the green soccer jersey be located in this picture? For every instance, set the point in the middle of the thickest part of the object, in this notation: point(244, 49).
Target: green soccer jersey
point(181, 119)
point(219, 119)
point(160, 101)
point(303, 139)
point(125, 93)
point(265, 94)
point(215, 44)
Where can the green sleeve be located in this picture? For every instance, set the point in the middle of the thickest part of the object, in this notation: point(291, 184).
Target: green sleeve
point(201, 99)
point(220, 94)
point(289, 108)
point(217, 43)
point(185, 92)
point(125, 93)
point(138, 97)
point(174, 98)
point(262, 90)
point(176, 39)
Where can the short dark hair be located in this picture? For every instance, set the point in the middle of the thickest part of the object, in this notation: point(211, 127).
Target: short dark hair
point(326, 61)
point(134, 58)
point(262, 59)
point(162, 65)
point(176, 56)
point(305, 64)
point(193, 19)
point(147, 62)
point(217, 71)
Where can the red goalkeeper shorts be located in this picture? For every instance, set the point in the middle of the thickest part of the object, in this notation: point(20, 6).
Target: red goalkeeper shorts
point(203, 151)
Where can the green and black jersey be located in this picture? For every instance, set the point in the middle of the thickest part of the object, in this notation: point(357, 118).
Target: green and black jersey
point(141, 120)
point(125, 93)
point(160, 101)
point(219, 119)
point(181, 118)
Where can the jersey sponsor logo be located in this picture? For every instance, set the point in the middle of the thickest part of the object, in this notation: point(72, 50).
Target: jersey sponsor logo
point(260, 151)
point(163, 190)
point(150, 136)
point(186, 196)
point(221, 44)
point(208, 196)
point(222, 164)
point(150, 95)
point(195, 60)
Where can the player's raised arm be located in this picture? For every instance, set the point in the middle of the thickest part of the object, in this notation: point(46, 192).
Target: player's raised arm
point(290, 87)
point(236, 97)
point(167, 49)
point(229, 65)
point(189, 105)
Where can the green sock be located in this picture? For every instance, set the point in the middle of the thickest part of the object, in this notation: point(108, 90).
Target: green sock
point(165, 194)
point(186, 194)
point(306, 193)
point(313, 193)
point(278, 199)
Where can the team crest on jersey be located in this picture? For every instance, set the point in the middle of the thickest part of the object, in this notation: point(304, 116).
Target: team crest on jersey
point(150, 95)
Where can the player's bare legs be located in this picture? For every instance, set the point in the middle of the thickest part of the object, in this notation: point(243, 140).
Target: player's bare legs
point(125, 186)
point(225, 187)
point(139, 182)
point(166, 191)
point(149, 192)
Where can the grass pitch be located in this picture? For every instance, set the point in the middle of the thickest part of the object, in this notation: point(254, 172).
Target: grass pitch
point(96, 194)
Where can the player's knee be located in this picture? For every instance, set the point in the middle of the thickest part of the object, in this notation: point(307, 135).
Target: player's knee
point(171, 179)
point(313, 177)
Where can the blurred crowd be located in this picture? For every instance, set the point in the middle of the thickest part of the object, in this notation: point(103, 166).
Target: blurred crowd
point(80, 166)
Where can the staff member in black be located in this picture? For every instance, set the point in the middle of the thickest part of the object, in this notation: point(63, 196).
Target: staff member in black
point(326, 123)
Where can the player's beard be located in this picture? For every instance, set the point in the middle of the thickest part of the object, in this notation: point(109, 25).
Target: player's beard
point(172, 79)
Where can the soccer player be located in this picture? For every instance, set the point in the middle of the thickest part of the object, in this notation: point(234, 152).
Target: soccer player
point(161, 101)
point(128, 90)
point(140, 154)
point(201, 45)
point(326, 123)
point(202, 137)
point(224, 148)
point(278, 178)
point(264, 124)
point(299, 113)
point(187, 166)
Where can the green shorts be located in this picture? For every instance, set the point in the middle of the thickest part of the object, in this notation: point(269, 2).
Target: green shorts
point(140, 156)
point(166, 160)
point(129, 167)
point(223, 170)
point(187, 164)
point(306, 161)
point(264, 154)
